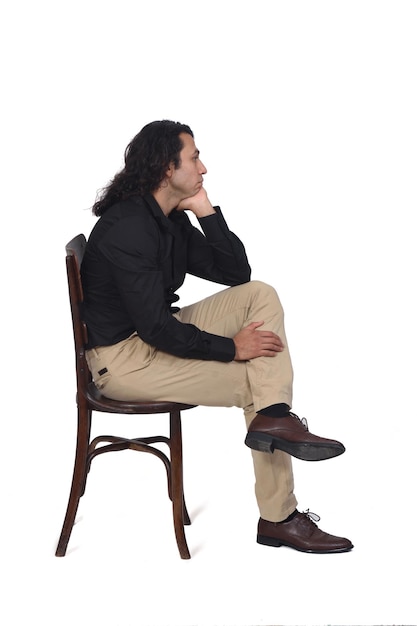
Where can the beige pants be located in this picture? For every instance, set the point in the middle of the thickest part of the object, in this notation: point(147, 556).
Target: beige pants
point(137, 371)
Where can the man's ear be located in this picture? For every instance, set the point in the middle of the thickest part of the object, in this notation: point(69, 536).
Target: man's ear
point(169, 171)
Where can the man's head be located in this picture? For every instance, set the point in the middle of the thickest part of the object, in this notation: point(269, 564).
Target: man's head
point(153, 151)
point(148, 157)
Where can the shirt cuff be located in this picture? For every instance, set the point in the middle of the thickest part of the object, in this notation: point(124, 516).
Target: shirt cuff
point(221, 349)
point(214, 226)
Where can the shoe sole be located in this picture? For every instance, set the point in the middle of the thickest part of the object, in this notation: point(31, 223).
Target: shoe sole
point(275, 543)
point(304, 451)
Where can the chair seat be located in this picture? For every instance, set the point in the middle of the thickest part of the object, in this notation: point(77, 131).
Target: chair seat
point(107, 405)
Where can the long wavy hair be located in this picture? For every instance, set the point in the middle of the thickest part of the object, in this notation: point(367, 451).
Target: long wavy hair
point(147, 158)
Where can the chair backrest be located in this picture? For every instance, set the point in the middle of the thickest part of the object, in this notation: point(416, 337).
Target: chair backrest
point(75, 252)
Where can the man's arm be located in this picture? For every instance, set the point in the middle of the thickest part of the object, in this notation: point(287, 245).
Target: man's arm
point(218, 254)
point(227, 253)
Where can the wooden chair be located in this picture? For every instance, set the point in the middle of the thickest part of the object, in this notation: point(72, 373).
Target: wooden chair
point(89, 399)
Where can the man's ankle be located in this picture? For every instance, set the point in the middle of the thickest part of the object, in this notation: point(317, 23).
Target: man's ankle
point(275, 410)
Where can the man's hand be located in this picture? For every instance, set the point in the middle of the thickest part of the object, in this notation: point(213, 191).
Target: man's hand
point(251, 343)
point(199, 204)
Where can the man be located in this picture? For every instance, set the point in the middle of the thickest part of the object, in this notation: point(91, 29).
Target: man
point(227, 350)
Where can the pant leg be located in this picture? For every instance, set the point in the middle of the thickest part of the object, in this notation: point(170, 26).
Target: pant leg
point(227, 312)
point(136, 371)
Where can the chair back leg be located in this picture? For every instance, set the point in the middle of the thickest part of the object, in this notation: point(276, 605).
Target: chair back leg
point(79, 478)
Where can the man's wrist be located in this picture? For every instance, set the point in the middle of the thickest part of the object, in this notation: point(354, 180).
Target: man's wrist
point(204, 211)
point(204, 214)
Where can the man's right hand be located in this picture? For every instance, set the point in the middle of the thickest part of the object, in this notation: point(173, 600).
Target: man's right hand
point(199, 204)
point(251, 343)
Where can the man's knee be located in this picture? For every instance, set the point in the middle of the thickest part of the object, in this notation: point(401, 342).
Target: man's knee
point(264, 293)
point(259, 287)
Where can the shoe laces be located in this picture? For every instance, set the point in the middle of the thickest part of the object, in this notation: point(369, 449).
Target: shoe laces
point(313, 517)
point(300, 419)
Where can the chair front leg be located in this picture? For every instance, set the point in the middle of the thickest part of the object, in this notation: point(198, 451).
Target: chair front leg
point(178, 505)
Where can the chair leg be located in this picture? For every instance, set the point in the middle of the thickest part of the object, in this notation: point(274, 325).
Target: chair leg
point(88, 437)
point(178, 504)
point(78, 479)
point(187, 520)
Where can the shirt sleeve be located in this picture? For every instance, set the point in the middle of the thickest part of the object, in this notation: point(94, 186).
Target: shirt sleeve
point(218, 254)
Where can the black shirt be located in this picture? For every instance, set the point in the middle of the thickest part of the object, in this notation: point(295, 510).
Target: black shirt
point(135, 260)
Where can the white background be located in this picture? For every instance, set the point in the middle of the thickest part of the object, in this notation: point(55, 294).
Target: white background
point(305, 115)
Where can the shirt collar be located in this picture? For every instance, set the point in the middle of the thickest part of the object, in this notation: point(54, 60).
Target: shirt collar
point(157, 212)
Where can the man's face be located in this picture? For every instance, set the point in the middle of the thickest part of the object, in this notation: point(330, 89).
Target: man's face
point(187, 180)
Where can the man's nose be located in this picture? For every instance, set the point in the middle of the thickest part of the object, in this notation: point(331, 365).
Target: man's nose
point(203, 168)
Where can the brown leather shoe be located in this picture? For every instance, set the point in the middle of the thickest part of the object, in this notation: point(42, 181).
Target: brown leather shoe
point(302, 534)
point(291, 435)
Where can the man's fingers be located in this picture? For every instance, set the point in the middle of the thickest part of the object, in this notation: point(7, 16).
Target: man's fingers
point(254, 325)
point(273, 347)
point(270, 338)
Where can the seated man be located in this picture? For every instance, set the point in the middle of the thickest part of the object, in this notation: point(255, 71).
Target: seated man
point(226, 350)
